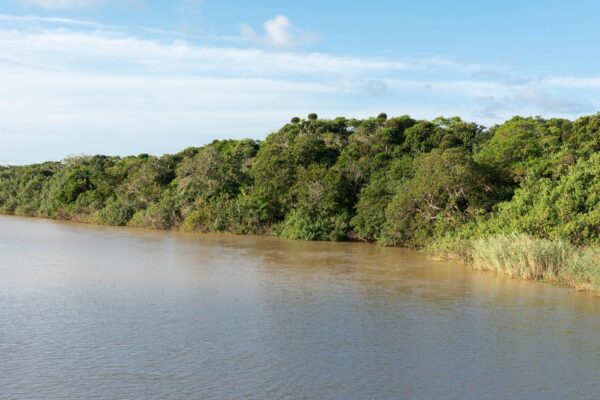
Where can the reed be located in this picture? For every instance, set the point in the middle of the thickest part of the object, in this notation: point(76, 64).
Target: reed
point(526, 257)
point(523, 256)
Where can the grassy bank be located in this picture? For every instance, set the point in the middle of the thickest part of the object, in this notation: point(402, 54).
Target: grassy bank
point(525, 257)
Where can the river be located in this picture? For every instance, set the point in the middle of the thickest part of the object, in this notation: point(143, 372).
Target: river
point(114, 313)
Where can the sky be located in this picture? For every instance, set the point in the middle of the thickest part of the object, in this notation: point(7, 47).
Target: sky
point(147, 76)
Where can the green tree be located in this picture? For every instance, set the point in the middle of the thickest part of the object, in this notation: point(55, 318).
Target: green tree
point(447, 190)
point(518, 144)
point(318, 212)
point(376, 195)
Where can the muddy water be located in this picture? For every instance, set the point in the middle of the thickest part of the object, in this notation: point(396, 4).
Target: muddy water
point(112, 313)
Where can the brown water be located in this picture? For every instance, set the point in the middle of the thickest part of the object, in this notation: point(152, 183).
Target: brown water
point(107, 313)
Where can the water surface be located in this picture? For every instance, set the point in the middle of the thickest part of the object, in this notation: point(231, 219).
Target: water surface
point(112, 313)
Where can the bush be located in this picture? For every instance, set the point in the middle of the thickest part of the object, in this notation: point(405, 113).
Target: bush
point(116, 212)
point(163, 214)
point(303, 225)
point(562, 208)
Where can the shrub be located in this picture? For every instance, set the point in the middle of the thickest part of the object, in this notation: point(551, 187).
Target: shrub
point(300, 224)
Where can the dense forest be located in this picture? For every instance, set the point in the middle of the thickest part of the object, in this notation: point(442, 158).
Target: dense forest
point(521, 198)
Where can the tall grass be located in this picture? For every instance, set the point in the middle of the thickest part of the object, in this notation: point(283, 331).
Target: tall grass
point(521, 256)
point(526, 257)
point(584, 271)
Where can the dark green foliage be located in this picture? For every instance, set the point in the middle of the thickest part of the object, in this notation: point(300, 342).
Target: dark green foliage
point(394, 180)
point(164, 213)
point(447, 190)
point(424, 136)
point(519, 143)
point(319, 211)
point(582, 136)
point(21, 187)
point(564, 207)
point(115, 212)
point(373, 144)
point(376, 195)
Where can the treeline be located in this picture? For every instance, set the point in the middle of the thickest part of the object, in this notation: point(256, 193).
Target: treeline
point(397, 181)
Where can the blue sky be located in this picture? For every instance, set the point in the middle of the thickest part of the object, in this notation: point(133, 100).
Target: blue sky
point(131, 76)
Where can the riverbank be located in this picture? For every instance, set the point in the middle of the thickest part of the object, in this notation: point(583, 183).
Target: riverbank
point(518, 256)
point(395, 181)
point(523, 256)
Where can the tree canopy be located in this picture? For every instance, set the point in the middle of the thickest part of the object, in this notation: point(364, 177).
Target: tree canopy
point(394, 180)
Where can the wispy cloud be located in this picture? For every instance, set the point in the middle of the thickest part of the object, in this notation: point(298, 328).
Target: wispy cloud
point(62, 49)
point(61, 4)
point(190, 13)
point(534, 99)
point(578, 83)
point(27, 20)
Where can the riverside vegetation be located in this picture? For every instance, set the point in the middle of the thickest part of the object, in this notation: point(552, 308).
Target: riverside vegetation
point(521, 198)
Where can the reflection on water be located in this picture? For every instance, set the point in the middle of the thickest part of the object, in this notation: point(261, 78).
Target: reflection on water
point(109, 313)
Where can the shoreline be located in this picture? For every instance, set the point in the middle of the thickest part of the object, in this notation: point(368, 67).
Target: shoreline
point(465, 258)
point(444, 185)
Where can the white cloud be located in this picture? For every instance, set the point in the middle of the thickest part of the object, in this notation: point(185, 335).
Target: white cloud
point(279, 33)
point(62, 4)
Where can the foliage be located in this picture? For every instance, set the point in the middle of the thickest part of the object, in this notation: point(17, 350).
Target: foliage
point(447, 190)
point(395, 180)
point(376, 195)
point(518, 143)
point(319, 211)
point(565, 207)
